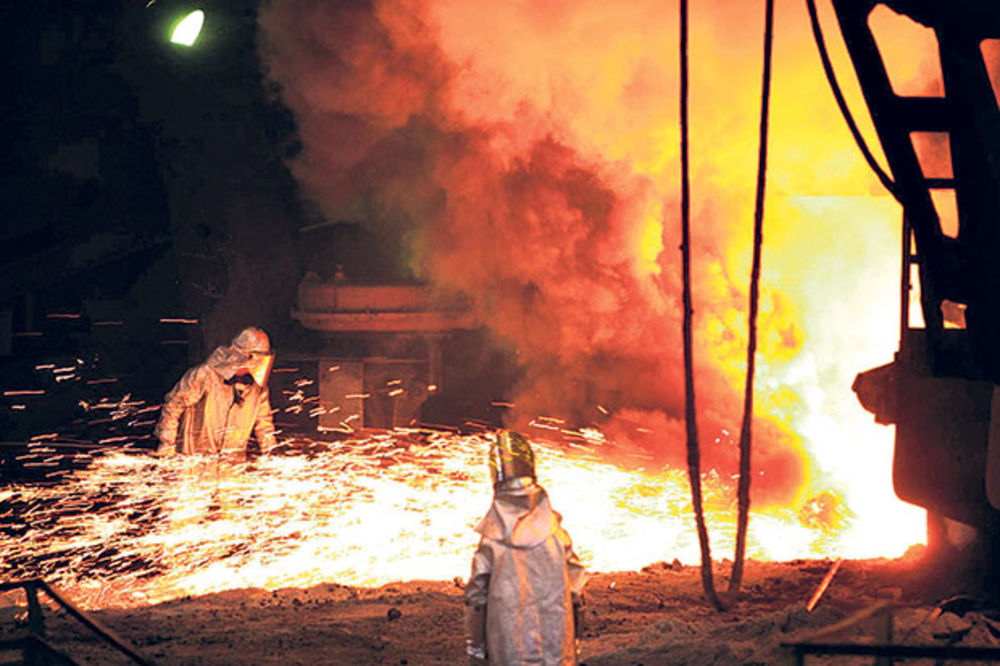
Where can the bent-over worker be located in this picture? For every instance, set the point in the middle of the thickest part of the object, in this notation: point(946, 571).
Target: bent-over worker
point(216, 405)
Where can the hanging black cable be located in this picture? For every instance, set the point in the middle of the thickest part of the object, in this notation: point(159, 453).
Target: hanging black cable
point(845, 111)
point(693, 448)
point(746, 429)
point(690, 420)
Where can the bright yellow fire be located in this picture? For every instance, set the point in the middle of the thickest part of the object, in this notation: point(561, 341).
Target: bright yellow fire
point(542, 91)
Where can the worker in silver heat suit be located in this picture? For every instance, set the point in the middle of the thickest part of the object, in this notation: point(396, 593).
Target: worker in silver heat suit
point(523, 600)
point(217, 404)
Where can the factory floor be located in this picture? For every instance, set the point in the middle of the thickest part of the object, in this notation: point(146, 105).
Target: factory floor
point(655, 616)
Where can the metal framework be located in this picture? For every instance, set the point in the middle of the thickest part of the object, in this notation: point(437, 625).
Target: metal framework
point(963, 269)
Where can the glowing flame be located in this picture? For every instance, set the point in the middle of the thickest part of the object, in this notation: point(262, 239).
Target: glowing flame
point(135, 530)
point(531, 152)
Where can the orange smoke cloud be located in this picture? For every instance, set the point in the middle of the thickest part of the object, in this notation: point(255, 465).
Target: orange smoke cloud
point(528, 153)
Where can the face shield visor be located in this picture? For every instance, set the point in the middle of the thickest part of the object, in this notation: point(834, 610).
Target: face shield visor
point(259, 366)
point(254, 345)
point(511, 457)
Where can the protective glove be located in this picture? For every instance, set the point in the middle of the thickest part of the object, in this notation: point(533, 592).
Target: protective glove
point(579, 605)
point(476, 656)
point(579, 618)
point(165, 450)
point(475, 635)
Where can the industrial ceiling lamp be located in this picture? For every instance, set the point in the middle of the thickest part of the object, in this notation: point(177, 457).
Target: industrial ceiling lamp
point(186, 30)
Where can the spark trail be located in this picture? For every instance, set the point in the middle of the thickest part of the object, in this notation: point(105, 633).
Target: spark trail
point(132, 530)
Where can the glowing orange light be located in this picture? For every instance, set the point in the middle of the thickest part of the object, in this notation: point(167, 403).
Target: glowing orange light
point(367, 512)
point(545, 136)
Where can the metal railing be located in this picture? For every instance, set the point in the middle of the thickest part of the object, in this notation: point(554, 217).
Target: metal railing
point(34, 646)
point(35, 651)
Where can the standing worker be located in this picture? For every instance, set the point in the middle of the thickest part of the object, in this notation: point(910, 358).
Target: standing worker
point(523, 600)
point(217, 404)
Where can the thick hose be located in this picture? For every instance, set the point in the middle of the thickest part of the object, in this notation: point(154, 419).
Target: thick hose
point(746, 429)
point(746, 437)
point(845, 111)
point(691, 423)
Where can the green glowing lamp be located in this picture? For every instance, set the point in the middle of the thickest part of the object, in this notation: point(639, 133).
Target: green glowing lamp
point(188, 28)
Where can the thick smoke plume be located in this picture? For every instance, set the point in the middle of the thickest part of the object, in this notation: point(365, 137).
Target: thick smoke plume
point(528, 154)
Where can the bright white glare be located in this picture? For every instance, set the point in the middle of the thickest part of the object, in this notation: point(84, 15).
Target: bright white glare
point(187, 30)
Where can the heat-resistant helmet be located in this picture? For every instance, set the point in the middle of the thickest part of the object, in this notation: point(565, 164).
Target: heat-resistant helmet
point(252, 339)
point(511, 457)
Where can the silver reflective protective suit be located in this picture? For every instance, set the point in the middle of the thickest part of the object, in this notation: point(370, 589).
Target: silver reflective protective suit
point(210, 411)
point(526, 576)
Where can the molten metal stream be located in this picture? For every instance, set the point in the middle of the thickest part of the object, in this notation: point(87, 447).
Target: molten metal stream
point(133, 530)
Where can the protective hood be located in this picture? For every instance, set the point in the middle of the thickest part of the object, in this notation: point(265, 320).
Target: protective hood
point(521, 518)
point(226, 361)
